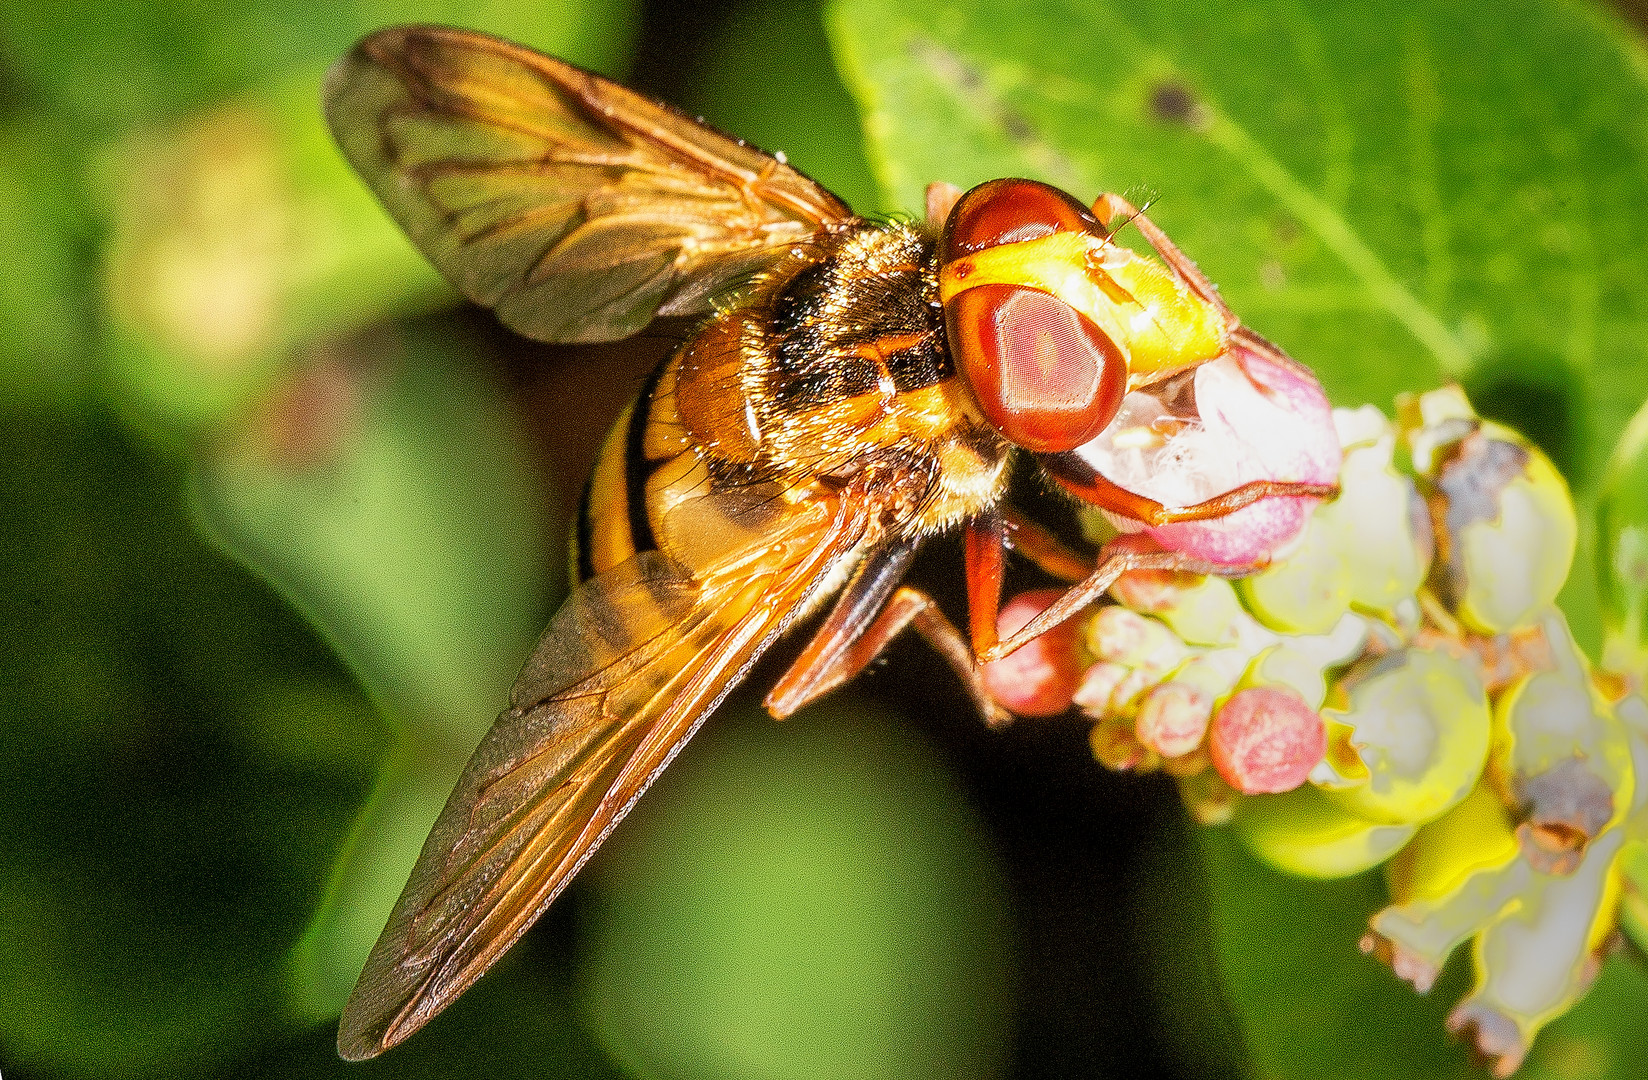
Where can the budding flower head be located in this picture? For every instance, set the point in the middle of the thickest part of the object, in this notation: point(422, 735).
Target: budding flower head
point(1396, 685)
point(1244, 417)
point(1266, 740)
point(1370, 548)
point(1506, 527)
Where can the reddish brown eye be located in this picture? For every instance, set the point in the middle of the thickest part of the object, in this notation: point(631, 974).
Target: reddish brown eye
point(1007, 211)
point(1047, 378)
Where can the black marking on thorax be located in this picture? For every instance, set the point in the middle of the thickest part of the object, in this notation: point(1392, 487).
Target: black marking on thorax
point(831, 322)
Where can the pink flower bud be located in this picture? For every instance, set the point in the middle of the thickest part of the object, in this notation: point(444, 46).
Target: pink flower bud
point(1173, 718)
point(1118, 634)
point(1115, 746)
point(1248, 417)
point(1126, 637)
point(1039, 679)
point(1101, 691)
point(1153, 591)
point(1266, 740)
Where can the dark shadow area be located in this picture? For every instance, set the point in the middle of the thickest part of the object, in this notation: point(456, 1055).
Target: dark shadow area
point(1536, 393)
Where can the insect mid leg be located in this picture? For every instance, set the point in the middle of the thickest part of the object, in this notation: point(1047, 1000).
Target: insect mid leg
point(861, 624)
point(907, 608)
point(1114, 560)
point(855, 611)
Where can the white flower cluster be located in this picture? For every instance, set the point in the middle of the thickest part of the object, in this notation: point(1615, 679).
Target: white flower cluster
point(1399, 689)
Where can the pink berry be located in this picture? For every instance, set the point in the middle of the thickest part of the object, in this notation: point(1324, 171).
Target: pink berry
point(1173, 719)
point(1266, 740)
point(1041, 678)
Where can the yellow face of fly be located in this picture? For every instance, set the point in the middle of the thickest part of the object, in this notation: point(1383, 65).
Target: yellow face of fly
point(1159, 323)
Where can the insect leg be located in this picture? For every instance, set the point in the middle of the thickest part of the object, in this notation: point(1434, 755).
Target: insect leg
point(1107, 207)
point(1043, 548)
point(855, 611)
point(1087, 484)
point(987, 538)
point(863, 621)
point(908, 607)
point(986, 547)
point(1114, 561)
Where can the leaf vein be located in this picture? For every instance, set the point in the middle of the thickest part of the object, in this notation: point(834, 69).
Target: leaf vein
point(1334, 231)
point(1424, 102)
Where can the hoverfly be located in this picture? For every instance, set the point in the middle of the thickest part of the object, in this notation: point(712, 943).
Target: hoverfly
point(853, 387)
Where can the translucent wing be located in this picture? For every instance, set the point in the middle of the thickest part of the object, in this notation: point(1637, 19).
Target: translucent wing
point(629, 667)
point(577, 208)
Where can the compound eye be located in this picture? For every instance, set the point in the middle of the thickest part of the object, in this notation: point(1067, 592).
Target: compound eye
point(1046, 377)
point(1008, 211)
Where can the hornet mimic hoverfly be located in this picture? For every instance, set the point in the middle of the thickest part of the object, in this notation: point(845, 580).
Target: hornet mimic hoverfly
point(852, 388)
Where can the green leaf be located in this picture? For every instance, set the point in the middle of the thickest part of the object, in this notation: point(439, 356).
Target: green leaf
point(388, 495)
point(367, 877)
point(1602, 1036)
point(522, 1022)
point(1622, 552)
point(806, 900)
point(179, 757)
point(411, 530)
point(1398, 197)
point(1309, 1003)
point(767, 76)
point(104, 64)
point(237, 239)
point(45, 338)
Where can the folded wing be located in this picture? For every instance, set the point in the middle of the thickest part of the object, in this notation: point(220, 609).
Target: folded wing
point(633, 662)
point(577, 208)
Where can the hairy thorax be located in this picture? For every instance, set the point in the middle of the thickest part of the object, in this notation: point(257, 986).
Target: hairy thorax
point(836, 370)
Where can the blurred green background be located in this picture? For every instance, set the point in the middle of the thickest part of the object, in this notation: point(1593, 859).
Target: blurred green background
point(282, 519)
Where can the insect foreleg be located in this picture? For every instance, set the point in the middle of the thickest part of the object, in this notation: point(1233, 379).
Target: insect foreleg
point(1108, 207)
point(1092, 487)
point(988, 537)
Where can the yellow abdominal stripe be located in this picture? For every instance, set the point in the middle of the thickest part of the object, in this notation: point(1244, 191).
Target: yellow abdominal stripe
point(610, 539)
point(1159, 323)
